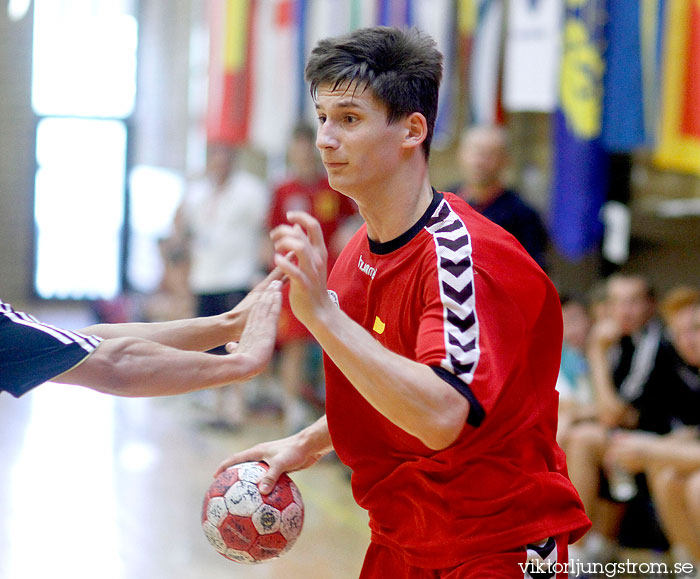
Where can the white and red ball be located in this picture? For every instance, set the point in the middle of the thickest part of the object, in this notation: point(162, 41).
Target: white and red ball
point(246, 526)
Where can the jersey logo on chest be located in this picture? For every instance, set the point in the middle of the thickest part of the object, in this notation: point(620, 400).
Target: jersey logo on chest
point(379, 326)
point(366, 268)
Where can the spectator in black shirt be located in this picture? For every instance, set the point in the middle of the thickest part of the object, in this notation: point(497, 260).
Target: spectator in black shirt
point(483, 157)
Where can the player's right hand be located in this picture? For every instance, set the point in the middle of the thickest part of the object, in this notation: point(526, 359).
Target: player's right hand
point(290, 454)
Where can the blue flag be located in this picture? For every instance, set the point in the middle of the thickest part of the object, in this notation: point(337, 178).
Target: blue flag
point(580, 164)
point(623, 103)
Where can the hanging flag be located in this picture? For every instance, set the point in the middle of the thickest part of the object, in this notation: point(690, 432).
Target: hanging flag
point(276, 72)
point(532, 55)
point(363, 13)
point(485, 63)
point(436, 18)
point(325, 19)
point(652, 26)
point(679, 138)
point(397, 13)
point(229, 94)
point(623, 104)
point(302, 17)
point(580, 164)
point(466, 25)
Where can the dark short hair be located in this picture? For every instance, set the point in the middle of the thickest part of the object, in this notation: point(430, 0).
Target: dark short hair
point(402, 68)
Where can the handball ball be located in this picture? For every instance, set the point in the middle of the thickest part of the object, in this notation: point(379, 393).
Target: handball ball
point(246, 526)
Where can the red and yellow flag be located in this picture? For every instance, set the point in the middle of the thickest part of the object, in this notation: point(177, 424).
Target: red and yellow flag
point(230, 78)
point(679, 137)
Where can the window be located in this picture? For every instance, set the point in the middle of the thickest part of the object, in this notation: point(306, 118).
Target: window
point(83, 90)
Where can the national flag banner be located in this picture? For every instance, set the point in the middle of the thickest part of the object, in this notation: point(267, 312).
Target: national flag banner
point(580, 163)
point(466, 25)
point(623, 127)
point(276, 71)
point(651, 36)
point(485, 63)
point(325, 19)
point(679, 135)
point(363, 13)
point(397, 13)
point(436, 18)
point(230, 82)
point(302, 11)
point(532, 55)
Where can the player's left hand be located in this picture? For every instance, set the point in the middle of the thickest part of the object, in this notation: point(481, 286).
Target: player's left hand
point(300, 252)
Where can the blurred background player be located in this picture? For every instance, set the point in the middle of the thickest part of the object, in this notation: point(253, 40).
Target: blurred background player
point(306, 189)
point(483, 158)
point(573, 382)
point(223, 216)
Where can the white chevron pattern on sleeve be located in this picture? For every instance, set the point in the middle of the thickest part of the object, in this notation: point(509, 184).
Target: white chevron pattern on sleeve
point(456, 276)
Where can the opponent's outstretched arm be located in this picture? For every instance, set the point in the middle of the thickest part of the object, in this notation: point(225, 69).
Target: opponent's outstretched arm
point(134, 366)
point(198, 334)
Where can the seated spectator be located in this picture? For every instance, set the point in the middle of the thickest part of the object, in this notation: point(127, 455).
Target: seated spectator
point(573, 383)
point(631, 366)
point(671, 462)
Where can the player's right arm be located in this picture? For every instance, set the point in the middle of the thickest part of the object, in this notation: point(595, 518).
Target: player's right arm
point(133, 366)
point(295, 452)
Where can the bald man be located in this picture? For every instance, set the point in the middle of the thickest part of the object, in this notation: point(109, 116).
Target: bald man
point(483, 157)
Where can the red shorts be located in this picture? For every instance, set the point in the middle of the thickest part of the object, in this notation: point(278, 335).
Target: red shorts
point(382, 562)
point(289, 328)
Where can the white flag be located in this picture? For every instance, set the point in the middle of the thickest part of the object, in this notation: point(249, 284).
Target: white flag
point(532, 55)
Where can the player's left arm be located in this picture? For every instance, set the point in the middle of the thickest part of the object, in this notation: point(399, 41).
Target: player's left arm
point(407, 393)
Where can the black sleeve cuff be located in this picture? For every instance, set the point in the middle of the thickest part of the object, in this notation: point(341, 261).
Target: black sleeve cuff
point(476, 410)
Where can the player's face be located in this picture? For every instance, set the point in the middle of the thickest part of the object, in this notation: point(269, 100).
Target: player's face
point(630, 304)
point(483, 157)
point(577, 324)
point(683, 326)
point(359, 149)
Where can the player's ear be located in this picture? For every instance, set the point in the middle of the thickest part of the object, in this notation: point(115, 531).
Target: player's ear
point(416, 130)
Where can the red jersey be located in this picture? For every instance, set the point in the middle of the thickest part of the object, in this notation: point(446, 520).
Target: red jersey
point(330, 208)
point(459, 294)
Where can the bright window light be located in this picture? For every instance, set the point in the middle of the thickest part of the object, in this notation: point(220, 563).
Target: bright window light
point(84, 62)
point(79, 207)
point(83, 85)
point(155, 194)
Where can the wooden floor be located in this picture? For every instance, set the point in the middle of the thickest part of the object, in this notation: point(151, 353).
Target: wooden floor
point(97, 487)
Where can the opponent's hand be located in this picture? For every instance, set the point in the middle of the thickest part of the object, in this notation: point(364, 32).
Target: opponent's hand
point(301, 254)
point(240, 313)
point(285, 455)
point(258, 338)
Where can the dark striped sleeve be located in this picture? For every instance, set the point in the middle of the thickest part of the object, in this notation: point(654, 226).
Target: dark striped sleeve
point(32, 353)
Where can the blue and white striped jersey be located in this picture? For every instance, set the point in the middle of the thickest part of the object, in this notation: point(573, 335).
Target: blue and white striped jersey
point(32, 353)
